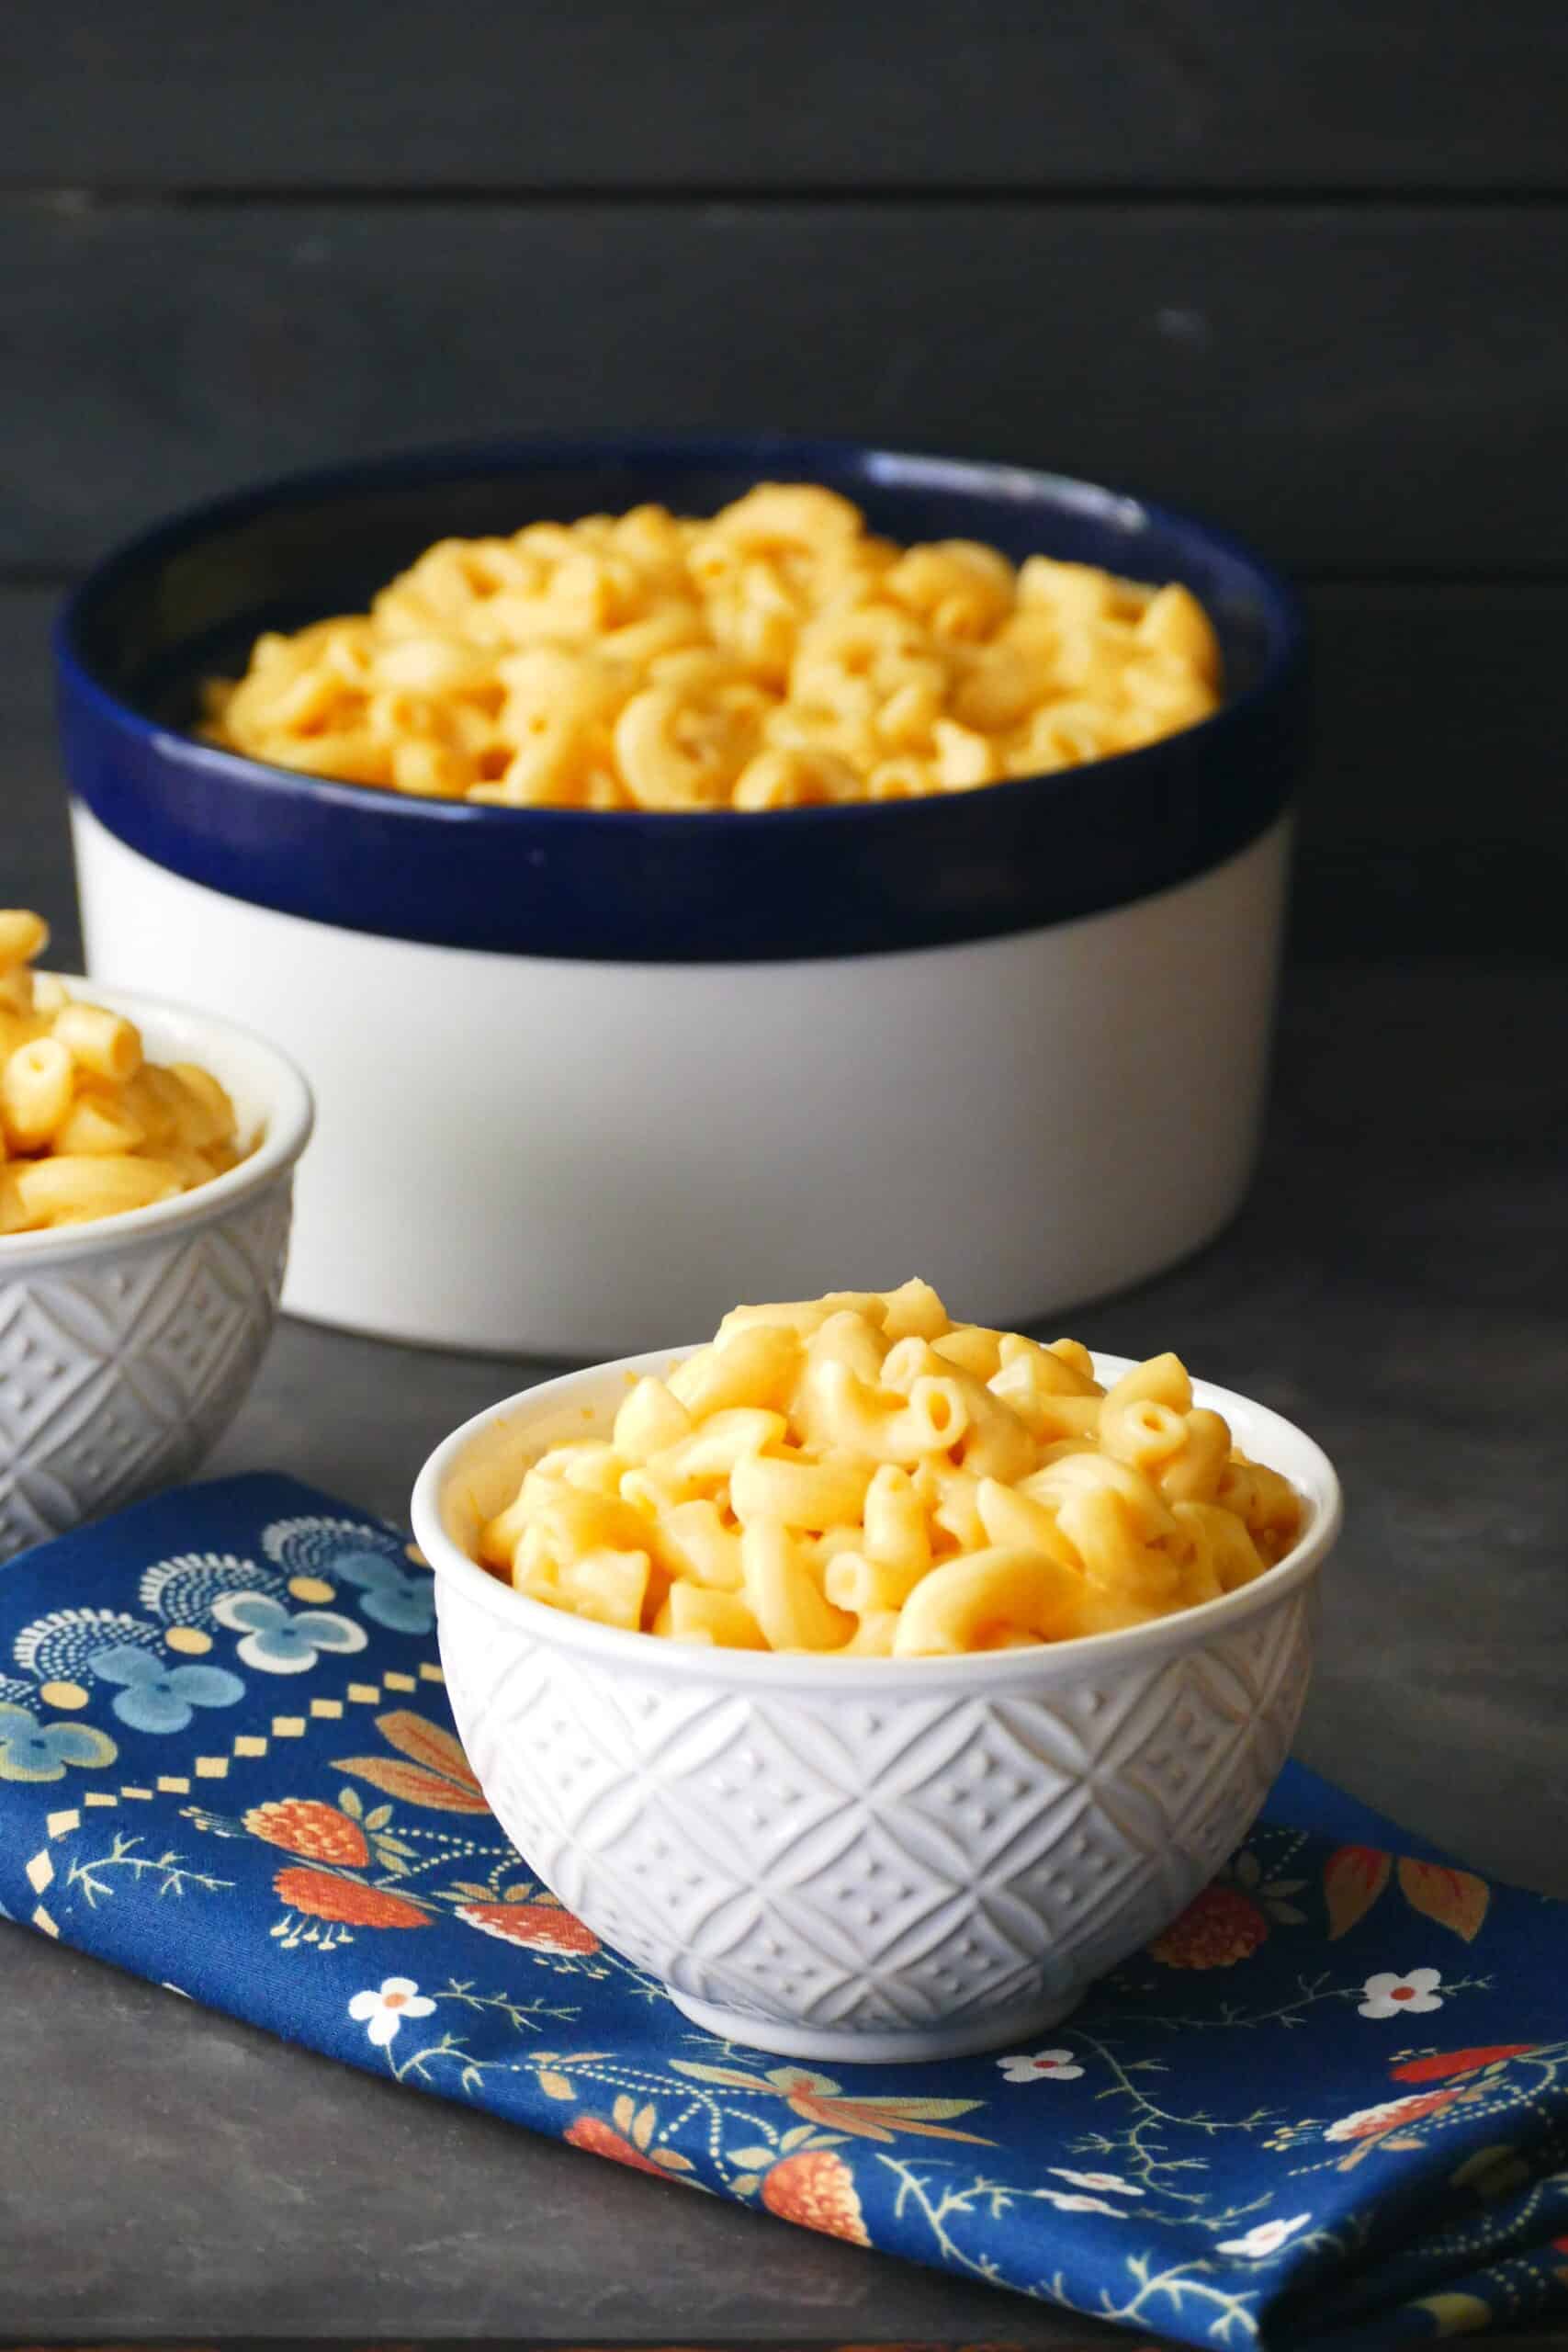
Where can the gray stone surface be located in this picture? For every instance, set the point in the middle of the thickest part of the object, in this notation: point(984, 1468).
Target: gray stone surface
point(1398, 1283)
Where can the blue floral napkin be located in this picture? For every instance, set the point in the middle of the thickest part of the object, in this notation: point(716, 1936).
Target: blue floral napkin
point(1328, 2107)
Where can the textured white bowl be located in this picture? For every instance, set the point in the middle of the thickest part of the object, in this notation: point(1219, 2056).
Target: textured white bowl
point(873, 1858)
point(127, 1345)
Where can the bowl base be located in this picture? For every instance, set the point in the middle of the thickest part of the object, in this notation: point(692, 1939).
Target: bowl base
point(908, 2046)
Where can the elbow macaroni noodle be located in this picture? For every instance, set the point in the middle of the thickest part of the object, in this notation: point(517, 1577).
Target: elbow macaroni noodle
point(87, 1127)
point(775, 656)
point(858, 1475)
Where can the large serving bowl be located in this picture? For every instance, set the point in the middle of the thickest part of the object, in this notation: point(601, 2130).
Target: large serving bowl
point(582, 1075)
point(877, 1859)
point(127, 1345)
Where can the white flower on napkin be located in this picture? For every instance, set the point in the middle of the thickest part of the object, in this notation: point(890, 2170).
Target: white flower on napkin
point(1264, 2239)
point(1390, 1996)
point(1045, 2066)
point(381, 2013)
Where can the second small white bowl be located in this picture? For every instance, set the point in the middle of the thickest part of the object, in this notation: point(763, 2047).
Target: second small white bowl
point(128, 1345)
point(878, 1859)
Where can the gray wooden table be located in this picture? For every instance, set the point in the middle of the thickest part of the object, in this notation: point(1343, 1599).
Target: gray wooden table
point(1398, 1283)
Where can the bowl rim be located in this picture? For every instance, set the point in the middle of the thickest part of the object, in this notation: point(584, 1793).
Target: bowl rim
point(540, 454)
point(1011, 1671)
point(289, 1114)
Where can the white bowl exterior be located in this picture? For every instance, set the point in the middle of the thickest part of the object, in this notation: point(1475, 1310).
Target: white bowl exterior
point(1027, 1122)
point(890, 1859)
point(121, 1374)
point(126, 1346)
point(839, 1865)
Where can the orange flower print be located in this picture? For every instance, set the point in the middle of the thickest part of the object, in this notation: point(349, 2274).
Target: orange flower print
point(537, 1927)
point(817, 2190)
point(1391, 2114)
point(430, 1767)
point(1219, 1928)
point(322, 1896)
point(601, 2139)
point(817, 2098)
point(629, 2137)
point(1446, 2063)
point(304, 1825)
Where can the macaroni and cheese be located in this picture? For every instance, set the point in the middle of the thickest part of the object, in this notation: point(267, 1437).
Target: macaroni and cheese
point(88, 1127)
point(777, 655)
point(860, 1475)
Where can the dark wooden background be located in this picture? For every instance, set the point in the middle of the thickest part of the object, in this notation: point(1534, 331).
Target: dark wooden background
point(1300, 267)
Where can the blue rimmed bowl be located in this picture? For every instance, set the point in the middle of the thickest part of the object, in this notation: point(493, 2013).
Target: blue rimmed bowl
point(584, 1076)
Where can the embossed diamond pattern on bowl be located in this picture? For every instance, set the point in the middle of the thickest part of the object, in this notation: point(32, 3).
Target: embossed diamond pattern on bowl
point(120, 1373)
point(822, 1869)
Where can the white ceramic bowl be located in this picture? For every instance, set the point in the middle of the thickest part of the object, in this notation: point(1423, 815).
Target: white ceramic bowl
point(127, 1345)
point(876, 1859)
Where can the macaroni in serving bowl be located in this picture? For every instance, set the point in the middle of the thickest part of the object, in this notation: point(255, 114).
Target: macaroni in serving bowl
point(777, 655)
point(668, 945)
point(860, 1475)
point(88, 1127)
point(863, 1856)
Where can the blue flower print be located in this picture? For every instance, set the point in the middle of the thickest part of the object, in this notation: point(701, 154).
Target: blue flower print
point(62, 1646)
point(280, 1642)
point(403, 1599)
point(33, 1751)
point(182, 1590)
point(157, 1697)
point(355, 1552)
